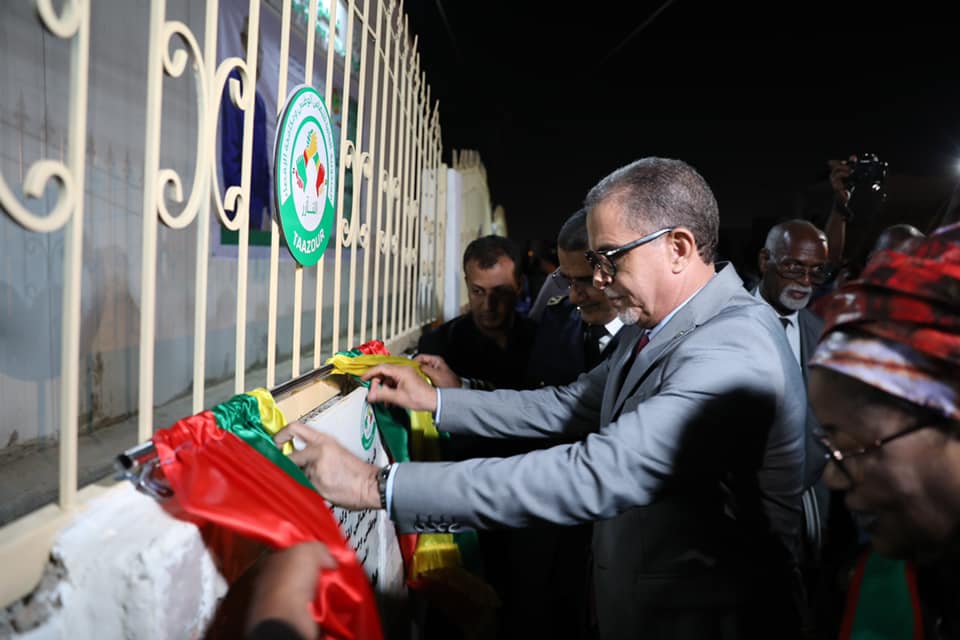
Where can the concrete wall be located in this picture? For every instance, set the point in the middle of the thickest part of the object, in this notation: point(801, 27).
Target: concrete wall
point(157, 582)
point(126, 569)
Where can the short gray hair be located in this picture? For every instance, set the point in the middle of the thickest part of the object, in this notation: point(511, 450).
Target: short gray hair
point(654, 193)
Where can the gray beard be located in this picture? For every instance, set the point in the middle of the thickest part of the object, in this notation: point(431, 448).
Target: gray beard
point(790, 303)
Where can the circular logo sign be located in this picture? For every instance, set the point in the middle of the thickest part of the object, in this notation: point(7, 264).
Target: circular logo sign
point(304, 175)
point(369, 426)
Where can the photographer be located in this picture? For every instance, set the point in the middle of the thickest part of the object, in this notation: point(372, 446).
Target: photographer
point(864, 175)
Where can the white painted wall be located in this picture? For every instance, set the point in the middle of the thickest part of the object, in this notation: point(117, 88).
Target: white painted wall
point(125, 569)
point(468, 217)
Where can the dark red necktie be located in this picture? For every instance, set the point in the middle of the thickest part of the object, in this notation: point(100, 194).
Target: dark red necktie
point(644, 339)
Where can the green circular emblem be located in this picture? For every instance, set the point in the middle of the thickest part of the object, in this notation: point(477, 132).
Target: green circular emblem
point(369, 426)
point(305, 175)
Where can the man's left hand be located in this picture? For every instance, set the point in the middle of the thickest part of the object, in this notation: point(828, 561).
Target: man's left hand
point(339, 476)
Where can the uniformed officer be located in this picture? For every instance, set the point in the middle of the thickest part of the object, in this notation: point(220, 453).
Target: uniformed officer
point(576, 330)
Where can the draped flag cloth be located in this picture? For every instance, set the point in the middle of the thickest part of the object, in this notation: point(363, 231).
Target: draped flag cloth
point(438, 561)
point(897, 328)
point(222, 474)
point(882, 601)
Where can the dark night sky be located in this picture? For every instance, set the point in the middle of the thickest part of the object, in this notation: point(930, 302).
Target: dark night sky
point(757, 96)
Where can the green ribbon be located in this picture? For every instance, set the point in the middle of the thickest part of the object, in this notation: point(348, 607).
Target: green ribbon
point(240, 415)
point(884, 607)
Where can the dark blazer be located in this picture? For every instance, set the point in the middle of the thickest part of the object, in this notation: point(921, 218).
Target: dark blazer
point(690, 460)
point(558, 355)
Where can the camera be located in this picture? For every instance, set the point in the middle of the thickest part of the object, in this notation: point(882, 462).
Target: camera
point(868, 171)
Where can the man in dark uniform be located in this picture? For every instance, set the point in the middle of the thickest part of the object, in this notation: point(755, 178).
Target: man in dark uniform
point(575, 333)
point(492, 342)
point(488, 347)
point(577, 330)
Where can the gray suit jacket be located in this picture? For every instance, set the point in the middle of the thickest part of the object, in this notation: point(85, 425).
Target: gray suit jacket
point(810, 329)
point(691, 456)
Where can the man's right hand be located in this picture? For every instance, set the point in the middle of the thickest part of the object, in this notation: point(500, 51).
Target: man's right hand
point(439, 372)
point(840, 170)
point(401, 386)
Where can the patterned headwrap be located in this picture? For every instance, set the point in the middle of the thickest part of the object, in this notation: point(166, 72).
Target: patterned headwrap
point(897, 328)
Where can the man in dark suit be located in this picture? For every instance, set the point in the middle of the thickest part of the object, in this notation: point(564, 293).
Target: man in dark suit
point(577, 331)
point(691, 451)
point(792, 263)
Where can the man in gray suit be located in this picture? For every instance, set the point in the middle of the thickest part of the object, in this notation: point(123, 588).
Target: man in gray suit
point(690, 456)
point(792, 262)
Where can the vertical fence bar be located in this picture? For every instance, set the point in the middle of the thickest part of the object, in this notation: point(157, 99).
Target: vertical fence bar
point(403, 79)
point(361, 172)
point(423, 271)
point(151, 165)
point(428, 193)
point(383, 179)
point(401, 231)
point(346, 152)
point(441, 226)
point(298, 268)
point(416, 211)
point(375, 134)
point(435, 164)
point(441, 222)
point(408, 199)
point(274, 225)
point(328, 100)
point(243, 212)
point(393, 182)
point(203, 221)
point(155, 179)
point(412, 213)
point(411, 81)
point(73, 261)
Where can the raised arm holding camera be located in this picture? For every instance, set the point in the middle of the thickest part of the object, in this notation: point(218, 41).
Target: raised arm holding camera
point(859, 173)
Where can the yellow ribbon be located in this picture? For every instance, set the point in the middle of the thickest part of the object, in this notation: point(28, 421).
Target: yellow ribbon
point(270, 415)
point(423, 433)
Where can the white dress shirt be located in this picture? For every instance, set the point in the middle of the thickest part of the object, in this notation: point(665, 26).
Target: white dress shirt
point(791, 325)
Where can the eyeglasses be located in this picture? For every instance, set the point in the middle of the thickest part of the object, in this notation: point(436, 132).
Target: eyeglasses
point(838, 457)
point(604, 260)
point(567, 282)
point(793, 270)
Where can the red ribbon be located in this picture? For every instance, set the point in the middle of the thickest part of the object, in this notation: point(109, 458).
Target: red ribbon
point(218, 478)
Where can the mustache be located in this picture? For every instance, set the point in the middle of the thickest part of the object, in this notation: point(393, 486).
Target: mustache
point(790, 288)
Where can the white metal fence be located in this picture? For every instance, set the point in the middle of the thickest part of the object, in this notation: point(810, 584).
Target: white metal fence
point(387, 251)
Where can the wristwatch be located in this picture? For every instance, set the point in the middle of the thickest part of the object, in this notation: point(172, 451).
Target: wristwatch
point(382, 476)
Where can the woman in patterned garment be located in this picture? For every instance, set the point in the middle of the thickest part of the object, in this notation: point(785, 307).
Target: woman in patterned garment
point(885, 384)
